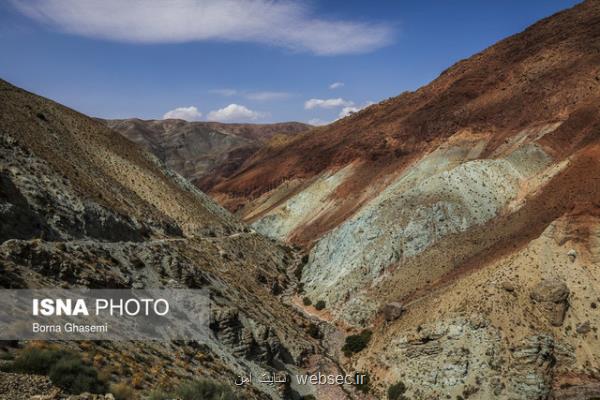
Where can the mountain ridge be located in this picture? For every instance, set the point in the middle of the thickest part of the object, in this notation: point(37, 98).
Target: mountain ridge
point(471, 94)
point(205, 153)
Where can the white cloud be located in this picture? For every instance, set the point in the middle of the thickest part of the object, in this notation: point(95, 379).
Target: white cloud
point(190, 113)
point(233, 113)
point(327, 103)
point(224, 92)
point(289, 24)
point(318, 122)
point(347, 111)
point(266, 96)
point(352, 109)
point(336, 85)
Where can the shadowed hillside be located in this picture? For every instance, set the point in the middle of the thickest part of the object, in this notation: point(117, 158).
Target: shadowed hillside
point(81, 206)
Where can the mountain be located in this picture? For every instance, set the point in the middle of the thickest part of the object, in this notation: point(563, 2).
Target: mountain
point(473, 204)
point(82, 206)
point(205, 153)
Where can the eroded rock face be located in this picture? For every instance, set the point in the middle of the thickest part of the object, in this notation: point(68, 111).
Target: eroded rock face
point(18, 219)
point(581, 392)
point(299, 210)
point(247, 338)
point(445, 193)
point(443, 358)
point(534, 362)
point(38, 203)
point(468, 355)
point(552, 296)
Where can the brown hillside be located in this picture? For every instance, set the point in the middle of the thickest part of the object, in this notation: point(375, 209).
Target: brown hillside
point(206, 153)
point(543, 74)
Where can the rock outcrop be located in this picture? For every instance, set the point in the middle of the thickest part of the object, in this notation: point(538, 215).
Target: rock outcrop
point(392, 311)
point(553, 296)
point(534, 361)
point(27, 387)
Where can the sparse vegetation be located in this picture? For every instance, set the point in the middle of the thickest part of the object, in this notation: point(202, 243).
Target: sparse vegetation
point(204, 390)
point(73, 376)
point(356, 343)
point(320, 305)
point(159, 395)
point(66, 370)
point(196, 390)
point(396, 391)
point(34, 360)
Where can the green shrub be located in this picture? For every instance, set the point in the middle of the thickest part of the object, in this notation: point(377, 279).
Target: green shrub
point(72, 375)
point(33, 360)
point(396, 391)
point(306, 301)
point(320, 305)
point(64, 369)
point(365, 385)
point(355, 343)
point(313, 331)
point(309, 397)
point(204, 390)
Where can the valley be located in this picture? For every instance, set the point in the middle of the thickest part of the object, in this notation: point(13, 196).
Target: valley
point(440, 244)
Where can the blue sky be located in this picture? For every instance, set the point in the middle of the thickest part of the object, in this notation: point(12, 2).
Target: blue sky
point(244, 60)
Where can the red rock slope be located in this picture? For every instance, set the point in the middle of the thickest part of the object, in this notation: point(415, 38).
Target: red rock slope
point(545, 74)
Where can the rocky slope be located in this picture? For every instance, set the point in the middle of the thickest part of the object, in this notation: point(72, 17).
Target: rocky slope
point(474, 202)
point(37, 387)
point(81, 206)
point(205, 153)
